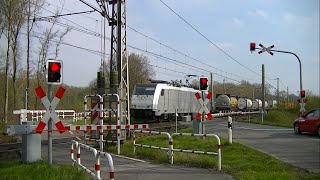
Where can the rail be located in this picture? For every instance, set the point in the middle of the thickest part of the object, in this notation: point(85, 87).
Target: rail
point(97, 154)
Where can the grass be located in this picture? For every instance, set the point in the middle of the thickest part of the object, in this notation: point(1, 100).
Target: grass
point(281, 118)
point(39, 170)
point(238, 160)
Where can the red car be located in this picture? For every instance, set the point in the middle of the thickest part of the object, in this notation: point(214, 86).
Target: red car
point(309, 122)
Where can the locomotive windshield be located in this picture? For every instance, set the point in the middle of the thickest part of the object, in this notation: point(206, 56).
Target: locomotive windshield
point(144, 89)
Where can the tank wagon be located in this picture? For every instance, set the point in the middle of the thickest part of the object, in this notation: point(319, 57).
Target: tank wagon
point(244, 104)
point(256, 104)
point(157, 101)
point(222, 102)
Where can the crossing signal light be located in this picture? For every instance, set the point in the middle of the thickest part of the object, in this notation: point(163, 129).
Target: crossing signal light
point(252, 46)
point(302, 93)
point(54, 72)
point(203, 83)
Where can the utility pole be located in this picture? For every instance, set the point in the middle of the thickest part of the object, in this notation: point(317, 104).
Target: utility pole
point(224, 86)
point(28, 56)
point(278, 93)
point(287, 95)
point(119, 70)
point(263, 92)
point(211, 90)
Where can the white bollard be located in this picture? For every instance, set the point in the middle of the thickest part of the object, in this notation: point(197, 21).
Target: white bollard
point(230, 129)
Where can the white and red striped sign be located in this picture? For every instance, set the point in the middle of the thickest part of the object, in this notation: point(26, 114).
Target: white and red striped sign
point(50, 109)
point(266, 49)
point(95, 114)
point(105, 127)
point(204, 105)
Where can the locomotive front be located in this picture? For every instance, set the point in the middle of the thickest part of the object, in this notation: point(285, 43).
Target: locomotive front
point(142, 100)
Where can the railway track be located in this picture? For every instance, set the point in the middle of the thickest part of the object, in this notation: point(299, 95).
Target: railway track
point(16, 146)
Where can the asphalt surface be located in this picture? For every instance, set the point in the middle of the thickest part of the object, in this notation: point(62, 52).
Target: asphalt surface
point(132, 169)
point(302, 150)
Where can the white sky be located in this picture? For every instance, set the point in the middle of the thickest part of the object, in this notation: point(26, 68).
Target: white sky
point(290, 25)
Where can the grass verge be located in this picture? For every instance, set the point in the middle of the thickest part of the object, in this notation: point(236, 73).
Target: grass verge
point(282, 118)
point(39, 170)
point(240, 161)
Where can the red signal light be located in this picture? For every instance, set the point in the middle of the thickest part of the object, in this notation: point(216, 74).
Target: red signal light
point(303, 93)
point(252, 46)
point(55, 67)
point(204, 81)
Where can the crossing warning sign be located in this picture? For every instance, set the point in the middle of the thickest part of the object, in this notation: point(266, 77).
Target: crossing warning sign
point(203, 105)
point(50, 110)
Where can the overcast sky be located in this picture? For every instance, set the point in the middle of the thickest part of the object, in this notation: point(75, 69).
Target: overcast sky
point(289, 25)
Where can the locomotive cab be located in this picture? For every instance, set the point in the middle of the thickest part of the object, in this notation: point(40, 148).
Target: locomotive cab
point(142, 100)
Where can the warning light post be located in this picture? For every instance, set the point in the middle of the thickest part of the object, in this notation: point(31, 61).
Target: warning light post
point(263, 49)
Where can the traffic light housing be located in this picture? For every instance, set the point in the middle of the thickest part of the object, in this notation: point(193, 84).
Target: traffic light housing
point(203, 84)
point(302, 93)
point(54, 72)
point(252, 46)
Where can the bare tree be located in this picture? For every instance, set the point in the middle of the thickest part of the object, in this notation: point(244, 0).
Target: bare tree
point(7, 16)
point(46, 43)
point(140, 70)
point(58, 43)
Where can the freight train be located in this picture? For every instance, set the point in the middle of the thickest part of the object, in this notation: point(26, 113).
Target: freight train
point(162, 100)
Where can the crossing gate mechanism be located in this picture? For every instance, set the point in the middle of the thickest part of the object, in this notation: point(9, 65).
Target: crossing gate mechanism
point(50, 109)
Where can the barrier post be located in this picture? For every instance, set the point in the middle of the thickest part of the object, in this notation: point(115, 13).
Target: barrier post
point(230, 129)
point(134, 142)
point(219, 154)
point(170, 151)
point(78, 153)
point(97, 165)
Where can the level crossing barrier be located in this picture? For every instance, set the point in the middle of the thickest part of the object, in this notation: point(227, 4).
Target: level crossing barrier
point(85, 102)
point(96, 153)
point(38, 114)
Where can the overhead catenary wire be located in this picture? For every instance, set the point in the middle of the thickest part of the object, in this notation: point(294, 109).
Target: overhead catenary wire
point(224, 52)
point(90, 32)
point(167, 46)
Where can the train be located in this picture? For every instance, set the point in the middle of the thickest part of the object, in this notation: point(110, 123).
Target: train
point(161, 100)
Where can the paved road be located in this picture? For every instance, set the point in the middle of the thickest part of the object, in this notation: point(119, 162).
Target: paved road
point(299, 150)
point(133, 169)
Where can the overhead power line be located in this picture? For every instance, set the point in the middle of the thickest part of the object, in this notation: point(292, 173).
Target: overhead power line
point(183, 19)
point(153, 39)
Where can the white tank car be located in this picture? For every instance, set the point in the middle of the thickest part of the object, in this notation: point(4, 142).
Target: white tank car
point(256, 104)
point(272, 104)
point(160, 100)
point(266, 104)
point(244, 103)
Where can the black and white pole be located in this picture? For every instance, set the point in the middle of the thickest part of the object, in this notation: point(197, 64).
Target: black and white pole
point(230, 129)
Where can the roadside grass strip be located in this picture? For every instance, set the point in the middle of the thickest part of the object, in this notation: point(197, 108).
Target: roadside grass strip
point(40, 170)
point(240, 161)
point(280, 118)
